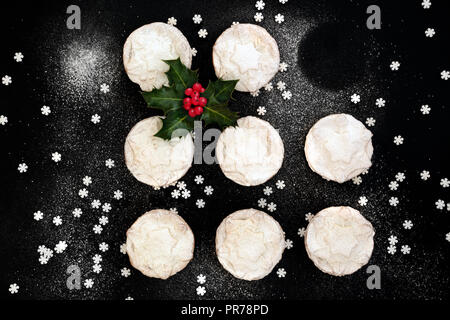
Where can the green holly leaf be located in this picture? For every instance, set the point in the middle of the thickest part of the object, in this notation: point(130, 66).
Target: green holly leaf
point(170, 98)
point(176, 119)
point(179, 75)
point(216, 110)
point(165, 99)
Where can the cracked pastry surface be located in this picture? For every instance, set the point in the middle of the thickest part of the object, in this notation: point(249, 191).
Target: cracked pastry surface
point(155, 161)
point(160, 243)
point(248, 53)
point(339, 240)
point(339, 147)
point(250, 153)
point(147, 47)
point(249, 243)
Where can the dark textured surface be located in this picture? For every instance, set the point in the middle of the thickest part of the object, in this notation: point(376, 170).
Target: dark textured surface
point(331, 55)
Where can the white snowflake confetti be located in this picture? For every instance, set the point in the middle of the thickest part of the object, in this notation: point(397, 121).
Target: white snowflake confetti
point(201, 290)
point(355, 98)
point(271, 207)
point(429, 33)
point(194, 52)
point(95, 119)
point(199, 179)
point(200, 203)
point(123, 248)
point(174, 210)
point(172, 21)
point(440, 204)
point(6, 80)
point(426, 4)
point(60, 246)
point(279, 18)
point(208, 190)
point(175, 194)
point(77, 212)
point(394, 65)
point(88, 283)
point(392, 249)
point(398, 140)
point(370, 122)
point(260, 5)
point(281, 273)
point(197, 18)
point(109, 163)
point(106, 207)
point(87, 180)
point(301, 232)
point(289, 244)
point(45, 110)
point(181, 185)
point(280, 184)
point(201, 279)
point(393, 185)
point(57, 221)
point(95, 204)
point(393, 201)
point(255, 93)
point(18, 56)
point(267, 191)
point(400, 176)
point(363, 201)
point(425, 175)
point(83, 193)
point(103, 220)
point(97, 229)
point(3, 120)
point(380, 102)
point(185, 194)
point(407, 224)
point(38, 215)
point(283, 1)
point(104, 88)
point(392, 240)
point(125, 272)
point(103, 247)
point(287, 95)
point(22, 168)
point(281, 85)
point(445, 75)
point(425, 109)
point(445, 183)
point(56, 156)
point(268, 87)
point(13, 288)
point(357, 180)
point(283, 67)
point(202, 33)
point(406, 249)
point(262, 203)
point(309, 216)
point(118, 194)
point(261, 111)
point(258, 17)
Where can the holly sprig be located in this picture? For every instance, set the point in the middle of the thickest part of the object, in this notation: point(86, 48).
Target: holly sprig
point(169, 99)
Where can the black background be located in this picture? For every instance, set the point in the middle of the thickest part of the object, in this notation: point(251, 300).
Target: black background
point(331, 55)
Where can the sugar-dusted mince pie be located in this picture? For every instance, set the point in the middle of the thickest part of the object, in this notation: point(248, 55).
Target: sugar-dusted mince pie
point(155, 161)
point(250, 153)
point(160, 243)
point(145, 49)
point(248, 53)
point(339, 240)
point(249, 243)
point(339, 147)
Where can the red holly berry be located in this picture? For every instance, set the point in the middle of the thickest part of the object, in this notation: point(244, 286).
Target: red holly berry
point(187, 100)
point(188, 91)
point(197, 86)
point(198, 110)
point(202, 90)
point(203, 101)
point(187, 106)
point(192, 112)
